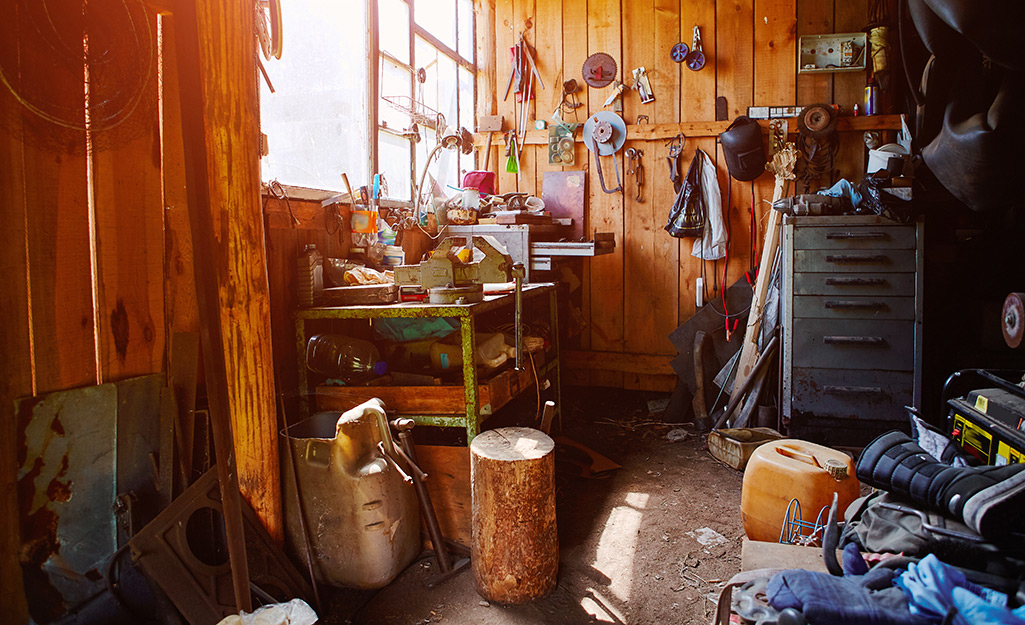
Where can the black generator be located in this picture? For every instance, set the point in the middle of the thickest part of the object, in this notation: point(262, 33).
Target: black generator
point(989, 423)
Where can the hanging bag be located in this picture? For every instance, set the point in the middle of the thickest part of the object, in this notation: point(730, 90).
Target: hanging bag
point(687, 217)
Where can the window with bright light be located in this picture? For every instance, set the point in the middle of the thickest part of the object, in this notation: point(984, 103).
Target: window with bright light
point(427, 66)
point(317, 120)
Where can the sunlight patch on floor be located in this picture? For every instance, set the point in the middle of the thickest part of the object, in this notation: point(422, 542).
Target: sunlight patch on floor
point(618, 544)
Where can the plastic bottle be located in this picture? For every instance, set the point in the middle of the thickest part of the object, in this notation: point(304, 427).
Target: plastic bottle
point(871, 97)
point(311, 276)
point(344, 358)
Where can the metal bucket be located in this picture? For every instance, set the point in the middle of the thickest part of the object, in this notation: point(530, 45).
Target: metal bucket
point(363, 520)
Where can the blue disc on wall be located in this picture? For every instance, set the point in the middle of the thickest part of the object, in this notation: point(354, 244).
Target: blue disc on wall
point(695, 60)
point(679, 52)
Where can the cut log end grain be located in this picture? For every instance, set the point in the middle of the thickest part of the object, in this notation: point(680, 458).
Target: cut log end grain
point(514, 542)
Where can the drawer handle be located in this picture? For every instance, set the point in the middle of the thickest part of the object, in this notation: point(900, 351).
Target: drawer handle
point(855, 282)
point(857, 258)
point(843, 390)
point(854, 340)
point(855, 305)
point(856, 235)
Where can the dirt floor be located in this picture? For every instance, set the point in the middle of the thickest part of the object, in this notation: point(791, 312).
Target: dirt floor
point(651, 543)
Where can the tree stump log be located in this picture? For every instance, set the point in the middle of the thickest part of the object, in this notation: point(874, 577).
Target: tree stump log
point(514, 544)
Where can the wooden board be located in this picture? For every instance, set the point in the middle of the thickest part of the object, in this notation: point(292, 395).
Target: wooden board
point(775, 52)
point(848, 90)
point(181, 309)
point(492, 394)
point(232, 129)
point(16, 365)
point(126, 180)
point(506, 35)
point(640, 230)
point(765, 555)
point(448, 482)
point(605, 210)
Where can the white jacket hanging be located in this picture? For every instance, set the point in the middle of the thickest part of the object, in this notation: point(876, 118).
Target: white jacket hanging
point(711, 246)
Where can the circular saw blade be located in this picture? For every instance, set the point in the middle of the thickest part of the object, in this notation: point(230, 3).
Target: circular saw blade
point(1013, 326)
point(599, 70)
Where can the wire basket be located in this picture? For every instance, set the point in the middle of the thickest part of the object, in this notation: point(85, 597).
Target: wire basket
point(418, 112)
point(796, 531)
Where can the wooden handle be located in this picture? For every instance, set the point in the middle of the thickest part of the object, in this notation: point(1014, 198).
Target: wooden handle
point(487, 152)
point(790, 452)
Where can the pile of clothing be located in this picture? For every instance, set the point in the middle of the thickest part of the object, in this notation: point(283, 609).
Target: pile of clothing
point(941, 539)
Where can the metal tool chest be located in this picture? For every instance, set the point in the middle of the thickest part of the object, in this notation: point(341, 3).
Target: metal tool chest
point(852, 326)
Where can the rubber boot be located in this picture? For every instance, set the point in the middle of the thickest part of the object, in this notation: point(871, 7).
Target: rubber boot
point(990, 500)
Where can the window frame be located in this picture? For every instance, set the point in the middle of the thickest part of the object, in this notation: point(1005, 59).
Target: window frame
point(378, 57)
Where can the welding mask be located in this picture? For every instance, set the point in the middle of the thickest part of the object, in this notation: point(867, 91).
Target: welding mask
point(743, 147)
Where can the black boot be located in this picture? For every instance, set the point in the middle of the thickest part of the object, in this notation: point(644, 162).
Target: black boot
point(990, 500)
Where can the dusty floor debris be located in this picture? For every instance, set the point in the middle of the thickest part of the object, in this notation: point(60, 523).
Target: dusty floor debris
point(629, 552)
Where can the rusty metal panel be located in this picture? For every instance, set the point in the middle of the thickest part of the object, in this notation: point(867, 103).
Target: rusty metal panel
point(66, 490)
point(852, 393)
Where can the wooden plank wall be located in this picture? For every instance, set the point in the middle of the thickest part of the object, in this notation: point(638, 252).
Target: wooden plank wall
point(632, 299)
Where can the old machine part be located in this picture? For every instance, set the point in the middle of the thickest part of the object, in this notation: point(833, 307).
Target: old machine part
point(570, 101)
point(679, 52)
point(643, 85)
point(818, 142)
point(605, 134)
point(561, 147)
point(599, 70)
point(695, 59)
point(635, 167)
point(180, 551)
point(675, 146)
point(450, 280)
point(1013, 319)
point(364, 528)
point(443, 548)
point(988, 423)
point(812, 204)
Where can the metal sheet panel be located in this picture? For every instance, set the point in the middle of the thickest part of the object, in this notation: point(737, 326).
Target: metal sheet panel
point(66, 489)
point(854, 261)
point(853, 307)
point(857, 344)
point(844, 237)
point(887, 284)
point(852, 393)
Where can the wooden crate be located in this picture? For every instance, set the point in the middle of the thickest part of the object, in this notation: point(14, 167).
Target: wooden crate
point(448, 482)
point(492, 393)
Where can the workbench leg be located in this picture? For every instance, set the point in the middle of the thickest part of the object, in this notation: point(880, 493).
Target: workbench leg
point(553, 307)
point(300, 348)
point(466, 332)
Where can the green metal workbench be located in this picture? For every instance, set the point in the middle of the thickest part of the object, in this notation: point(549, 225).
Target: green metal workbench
point(467, 315)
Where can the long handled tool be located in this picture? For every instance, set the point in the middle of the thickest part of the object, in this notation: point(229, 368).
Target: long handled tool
point(407, 448)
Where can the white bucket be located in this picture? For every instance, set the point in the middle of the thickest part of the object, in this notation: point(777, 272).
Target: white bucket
point(877, 158)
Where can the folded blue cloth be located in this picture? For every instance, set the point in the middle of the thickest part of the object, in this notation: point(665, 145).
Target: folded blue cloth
point(850, 600)
point(935, 590)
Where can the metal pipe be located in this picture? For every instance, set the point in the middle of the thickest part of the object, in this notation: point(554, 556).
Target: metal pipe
point(519, 272)
point(426, 505)
point(749, 382)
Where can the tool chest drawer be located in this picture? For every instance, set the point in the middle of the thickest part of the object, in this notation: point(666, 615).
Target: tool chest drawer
point(850, 261)
point(852, 326)
point(856, 344)
point(847, 284)
point(852, 394)
point(853, 307)
point(855, 237)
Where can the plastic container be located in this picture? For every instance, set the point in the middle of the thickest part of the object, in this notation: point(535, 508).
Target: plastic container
point(362, 519)
point(311, 276)
point(879, 158)
point(786, 469)
point(491, 351)
point(344, 358)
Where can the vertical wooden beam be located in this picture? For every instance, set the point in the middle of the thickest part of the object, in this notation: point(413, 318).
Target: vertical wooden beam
point(775, 56)
point(228, 56)
point(180, 309)
point(506, 33)
point(604, 34)
point(547, 40)
point(192, 28)
point(16, 364)
point(486, 75)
